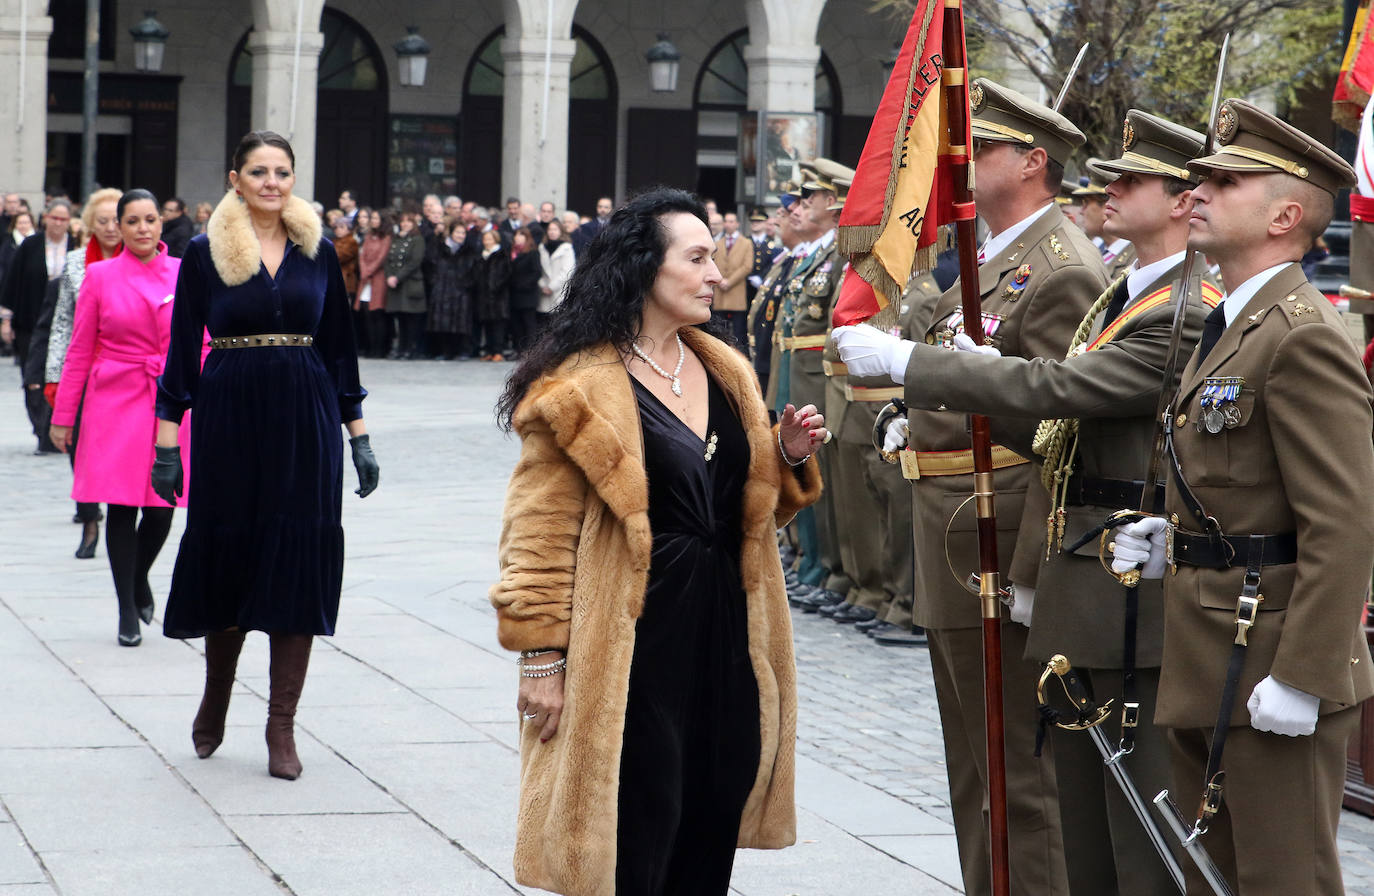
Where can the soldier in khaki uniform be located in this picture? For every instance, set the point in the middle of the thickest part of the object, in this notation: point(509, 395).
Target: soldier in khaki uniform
point(1270, 521)
point(1110, 378)
point(1038, 276)
point(796, 375)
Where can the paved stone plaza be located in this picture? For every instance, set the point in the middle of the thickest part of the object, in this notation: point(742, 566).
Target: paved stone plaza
point(407, 726)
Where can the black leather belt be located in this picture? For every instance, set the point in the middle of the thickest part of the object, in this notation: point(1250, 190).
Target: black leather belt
point(1224, 551)
point(1114, 493)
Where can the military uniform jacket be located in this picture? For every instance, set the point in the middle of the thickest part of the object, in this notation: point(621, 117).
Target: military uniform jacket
point(1034, 294)
point(1298, 459)
point(804, 313)
point(1113, 390)
point(763, 318)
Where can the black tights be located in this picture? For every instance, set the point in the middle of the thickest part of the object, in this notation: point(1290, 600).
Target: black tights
point(132, 549)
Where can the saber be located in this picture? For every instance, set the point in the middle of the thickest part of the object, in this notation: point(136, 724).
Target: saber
point(1088, 718)
point(1068, 81)
point(1188, 837)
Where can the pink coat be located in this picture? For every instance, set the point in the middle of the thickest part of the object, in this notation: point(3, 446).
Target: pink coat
point(119, 344)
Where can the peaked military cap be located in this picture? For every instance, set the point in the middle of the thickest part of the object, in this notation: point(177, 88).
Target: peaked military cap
point(759, 215)
point(1251, 141)
point(1154, 145)
point(1097, 180)
point(828, 174)
point(1003, 115)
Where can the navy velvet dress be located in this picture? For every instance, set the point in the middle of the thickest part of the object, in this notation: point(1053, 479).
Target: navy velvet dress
point(263, 547)
point(691, 745)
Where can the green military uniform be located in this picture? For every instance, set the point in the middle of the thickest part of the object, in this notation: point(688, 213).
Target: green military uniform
point(1283, 452)
point(1034, 292)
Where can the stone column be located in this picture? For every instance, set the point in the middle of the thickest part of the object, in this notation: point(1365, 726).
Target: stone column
point(24, 101)
point(782, 54)
point(274, 75)
point(534, 160)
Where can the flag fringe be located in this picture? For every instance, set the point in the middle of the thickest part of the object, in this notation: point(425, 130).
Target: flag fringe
point(856, 238)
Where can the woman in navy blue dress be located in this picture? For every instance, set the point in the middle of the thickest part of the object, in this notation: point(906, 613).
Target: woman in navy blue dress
point(263, 548)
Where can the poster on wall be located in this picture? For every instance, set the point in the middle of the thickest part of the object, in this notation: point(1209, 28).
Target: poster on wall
point(772, 146)
point(422, 157)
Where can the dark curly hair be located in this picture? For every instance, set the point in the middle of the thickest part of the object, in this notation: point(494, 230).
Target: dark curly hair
point(605, 295)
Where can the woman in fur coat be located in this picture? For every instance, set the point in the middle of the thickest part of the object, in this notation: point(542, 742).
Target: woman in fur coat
point(640, 576)
point(263, 549)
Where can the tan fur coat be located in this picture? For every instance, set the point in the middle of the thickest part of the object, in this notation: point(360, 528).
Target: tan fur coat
point(575, 547)
point(234, 247)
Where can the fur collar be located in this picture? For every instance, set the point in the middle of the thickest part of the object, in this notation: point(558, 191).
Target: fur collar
point(234, 248)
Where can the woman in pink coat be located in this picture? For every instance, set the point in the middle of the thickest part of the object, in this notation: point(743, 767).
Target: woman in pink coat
point(119, 342)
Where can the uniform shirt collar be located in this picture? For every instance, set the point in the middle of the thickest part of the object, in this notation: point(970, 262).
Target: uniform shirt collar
point(1139, 277)
point(824, 240)
point(1237, 299)
point(999, 242)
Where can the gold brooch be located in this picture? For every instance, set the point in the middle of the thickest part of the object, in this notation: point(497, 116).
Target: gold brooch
point(1226, 123)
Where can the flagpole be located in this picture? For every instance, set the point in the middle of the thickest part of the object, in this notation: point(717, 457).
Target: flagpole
point(956, 97)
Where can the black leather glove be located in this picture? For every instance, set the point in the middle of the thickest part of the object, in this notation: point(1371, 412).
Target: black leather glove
point(167, 477)
point(365, 462)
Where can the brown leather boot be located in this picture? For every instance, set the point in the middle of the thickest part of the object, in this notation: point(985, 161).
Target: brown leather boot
point(221, 660)
point(290, 658)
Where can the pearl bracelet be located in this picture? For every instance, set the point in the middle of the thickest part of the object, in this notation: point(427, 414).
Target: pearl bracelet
point(557, 668)
point(790, 462)
point(544, 670)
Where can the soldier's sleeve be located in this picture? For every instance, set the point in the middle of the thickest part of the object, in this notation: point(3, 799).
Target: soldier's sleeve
point(1056, 308)
point(1120, 379)
point(1317, 403)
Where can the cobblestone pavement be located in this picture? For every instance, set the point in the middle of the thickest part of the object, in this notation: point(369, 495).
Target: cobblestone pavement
point(406, 728)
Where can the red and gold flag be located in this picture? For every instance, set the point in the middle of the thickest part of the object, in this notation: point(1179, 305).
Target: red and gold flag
point(901, 199)
point(1356, 80)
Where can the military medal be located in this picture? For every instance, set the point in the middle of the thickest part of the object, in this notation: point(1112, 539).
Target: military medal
point(1018, 283)
point(1219, 410)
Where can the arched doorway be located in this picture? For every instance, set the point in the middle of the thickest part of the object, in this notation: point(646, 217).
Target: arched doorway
point(350, 113)
point(591, 124)
point(721, 96)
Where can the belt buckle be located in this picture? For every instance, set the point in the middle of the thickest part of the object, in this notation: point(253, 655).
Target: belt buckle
point(1247, 611)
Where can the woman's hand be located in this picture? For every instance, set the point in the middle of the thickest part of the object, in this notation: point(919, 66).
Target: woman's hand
point(802, 431)
point(541, 699)
point(391, 282)
point(61, 436)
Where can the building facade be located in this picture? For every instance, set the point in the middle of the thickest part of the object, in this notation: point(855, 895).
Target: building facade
point(541, 99)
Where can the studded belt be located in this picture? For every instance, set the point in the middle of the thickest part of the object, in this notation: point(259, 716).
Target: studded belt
point(262, 340)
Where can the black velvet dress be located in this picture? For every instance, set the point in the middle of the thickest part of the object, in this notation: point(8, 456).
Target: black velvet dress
point(691, 748)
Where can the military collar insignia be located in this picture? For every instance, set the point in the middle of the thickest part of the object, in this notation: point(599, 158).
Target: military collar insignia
point(1226, 124)
point(1058, 248)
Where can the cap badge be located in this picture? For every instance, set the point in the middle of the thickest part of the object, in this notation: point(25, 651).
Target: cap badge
point(1127, 136)
point(1226, 124)
point(975, 97)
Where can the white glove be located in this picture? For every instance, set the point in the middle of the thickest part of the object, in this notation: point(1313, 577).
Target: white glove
point(1277, 707)
point(964, 343)
point(755, 280)
point(1141, 544)
point(1023, 599)
point(898, 431)
point(868, 351)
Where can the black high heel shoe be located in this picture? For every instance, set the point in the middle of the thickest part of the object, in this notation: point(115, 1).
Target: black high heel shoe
point(90, 534)
point(143, 600)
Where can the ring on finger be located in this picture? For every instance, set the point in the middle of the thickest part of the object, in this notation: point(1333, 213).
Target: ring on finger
point(529, 716)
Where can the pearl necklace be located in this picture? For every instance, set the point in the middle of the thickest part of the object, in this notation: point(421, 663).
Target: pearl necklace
point(670, 377)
